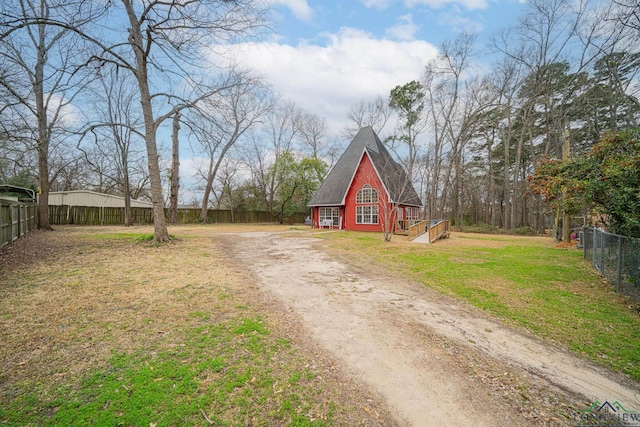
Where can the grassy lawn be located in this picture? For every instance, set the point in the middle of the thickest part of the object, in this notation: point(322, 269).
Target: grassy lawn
point(100, 327)
point(528, 282)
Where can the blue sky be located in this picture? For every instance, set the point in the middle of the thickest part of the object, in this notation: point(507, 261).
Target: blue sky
point(328, 55)
point(433, 20)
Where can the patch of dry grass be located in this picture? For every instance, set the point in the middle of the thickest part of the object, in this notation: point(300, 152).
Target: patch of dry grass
point(72, 298)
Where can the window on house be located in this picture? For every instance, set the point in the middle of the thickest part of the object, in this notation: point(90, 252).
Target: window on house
point(329, 214)
point(366, 214)
point(412, 214)
point(367, 195)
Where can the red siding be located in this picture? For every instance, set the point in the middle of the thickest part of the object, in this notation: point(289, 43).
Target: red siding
point(365, 174)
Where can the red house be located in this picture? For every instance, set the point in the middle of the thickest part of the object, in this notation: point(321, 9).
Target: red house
point(366, 190)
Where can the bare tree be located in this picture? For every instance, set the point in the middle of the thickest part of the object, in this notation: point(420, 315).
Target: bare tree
point(628, 14)
point(178, 31)
point(443, 85)
point(174, 186)
point(161, 46)
point(115, 135)
point(161, 43)
point(230, 194)
point(277, 135)
point(17, 165)
point(67, 170)
point(314, 140)
point(223, 120)
point(41, 77)
point(313, 133)
point(374, 113)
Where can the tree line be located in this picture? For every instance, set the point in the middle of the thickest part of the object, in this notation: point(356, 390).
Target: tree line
point(567, 72)
point(468, 137)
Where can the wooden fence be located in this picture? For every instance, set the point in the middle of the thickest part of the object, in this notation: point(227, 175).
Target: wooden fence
point(16, 220)
point(86, 215)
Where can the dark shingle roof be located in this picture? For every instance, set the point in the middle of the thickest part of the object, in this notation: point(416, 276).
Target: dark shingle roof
point(334, 188)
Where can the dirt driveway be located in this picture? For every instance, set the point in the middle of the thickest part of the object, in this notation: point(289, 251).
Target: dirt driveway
point(434, 360)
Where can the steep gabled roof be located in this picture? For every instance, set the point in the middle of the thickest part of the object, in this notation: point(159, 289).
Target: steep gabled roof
point(334, 188)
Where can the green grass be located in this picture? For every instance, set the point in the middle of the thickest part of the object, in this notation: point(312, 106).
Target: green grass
point(228, 372)
point(527, 282)
point(104, 328)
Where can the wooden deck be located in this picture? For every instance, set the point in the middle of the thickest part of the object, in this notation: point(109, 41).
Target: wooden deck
point(406, 228)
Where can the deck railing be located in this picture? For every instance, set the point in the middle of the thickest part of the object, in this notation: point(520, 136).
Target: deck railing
point(439, 230)
point(417, 229)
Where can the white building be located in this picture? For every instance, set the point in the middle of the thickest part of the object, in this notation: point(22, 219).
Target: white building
point(91, 198)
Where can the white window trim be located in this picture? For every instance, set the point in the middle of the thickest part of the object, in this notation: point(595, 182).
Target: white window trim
point(367, 218)
point(334, 214)
point(367, 194)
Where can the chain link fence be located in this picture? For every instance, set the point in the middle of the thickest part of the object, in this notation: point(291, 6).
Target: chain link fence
point(616, 257)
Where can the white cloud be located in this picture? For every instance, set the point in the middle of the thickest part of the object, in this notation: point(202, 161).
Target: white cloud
point(300, 8)
point(455, 21)
point(69, 115)
point(327, 80)
point(467, 4)
point(376, 4)
point(405, 28)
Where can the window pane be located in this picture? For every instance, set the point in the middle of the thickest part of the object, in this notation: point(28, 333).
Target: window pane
point(367, 195)
point(366, 214)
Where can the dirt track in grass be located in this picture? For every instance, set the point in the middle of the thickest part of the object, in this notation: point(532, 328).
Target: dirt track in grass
point(436, 361)
point(390, 351)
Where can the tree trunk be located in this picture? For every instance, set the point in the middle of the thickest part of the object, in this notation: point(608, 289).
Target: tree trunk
point(566, 218)
point(458, 193)
point(204, 211)
point(43, 182)
point(43, 134)
point(175, 171)
point(127, 193)
point(161, 233)
point(490, 217)
point(516, 184)
point(505, 185)
point(516, 175)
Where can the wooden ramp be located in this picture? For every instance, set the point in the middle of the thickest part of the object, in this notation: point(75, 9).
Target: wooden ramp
point(433, 233)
